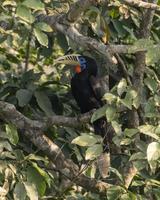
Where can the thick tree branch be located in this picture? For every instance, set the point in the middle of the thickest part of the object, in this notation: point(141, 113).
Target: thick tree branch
point(69, 121)
point(25, 123)
point(142, 4)
point(33, 130)
point(140, 65)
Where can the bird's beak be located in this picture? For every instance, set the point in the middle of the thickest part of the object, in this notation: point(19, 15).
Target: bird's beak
point(71, 59)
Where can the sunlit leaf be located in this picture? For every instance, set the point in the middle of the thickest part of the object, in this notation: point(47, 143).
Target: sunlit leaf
point(153, 154)
point(109, 97)
point(149, 130)
point(25, 13)
point(12, 133)
point(111, 113)
point(85, 140)
point(137, 156)
point(44, 27)
point(43, 173)
point(41, 37)
point(34, 177)
point(121, 87)
point(31, 190)
point(151, 84)
point(114, 192)
point(115, 171)
point(130, 132)
point(99, 113)
point(19, 192)
point(5, 145)
point(117, 127)
point(93, 151)
point(35, 4)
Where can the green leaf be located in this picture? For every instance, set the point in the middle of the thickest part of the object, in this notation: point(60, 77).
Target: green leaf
point(114, 192)
point(151, 84)
point(25, 13)
point(41, 37)
point(117, 127)
point(42, 173)
point(34, 4)
point(115, 171)
point(99, 113)
point(121, 87)
point(44, 102)
point(110, 98)
point(19, 192)
point(33, 176)
point(36, 157)
point(131, 99)
point(62, 41)
point(111, 113)
point(119, 28)
point(153, 55)
point(93, 152)
point(141, 44)
point(12, 133)
point(23, 96)
point(31, 190)
point(157, 100)
point(9, 3)
point(153, 154)
point(141, 145)
point(126, 141)
point(44, 27)
point(149, 130)
point(129, 196)
point(130, 132)
point(85, 140)
point(137, 156)
point(5, 145)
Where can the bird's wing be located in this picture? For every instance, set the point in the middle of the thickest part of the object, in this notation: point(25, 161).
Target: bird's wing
point(96, 86)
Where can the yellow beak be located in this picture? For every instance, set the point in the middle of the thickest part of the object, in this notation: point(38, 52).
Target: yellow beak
point(71, 59)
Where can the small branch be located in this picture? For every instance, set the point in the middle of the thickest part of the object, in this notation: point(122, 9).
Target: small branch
point(28, 50)
point(142, 4)
point(124, 69)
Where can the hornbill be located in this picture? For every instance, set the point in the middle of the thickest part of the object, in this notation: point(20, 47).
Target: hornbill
point(87, 92)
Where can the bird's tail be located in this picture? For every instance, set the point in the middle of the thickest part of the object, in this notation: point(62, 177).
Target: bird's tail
point(100, 128)
point(103, 162)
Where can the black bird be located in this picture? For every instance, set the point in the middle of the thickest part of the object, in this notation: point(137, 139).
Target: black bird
point(86, 89)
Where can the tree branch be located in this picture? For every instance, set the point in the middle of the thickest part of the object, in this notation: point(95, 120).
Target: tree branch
point(142, 4)
point(33, 130)
point(140, 62)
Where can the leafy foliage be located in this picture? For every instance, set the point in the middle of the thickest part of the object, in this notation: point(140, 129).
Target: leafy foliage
point(30, 80)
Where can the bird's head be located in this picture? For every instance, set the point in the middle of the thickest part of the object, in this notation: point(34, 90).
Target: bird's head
point(79, 62)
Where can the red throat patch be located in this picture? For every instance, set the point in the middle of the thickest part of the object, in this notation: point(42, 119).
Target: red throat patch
point(77, 69)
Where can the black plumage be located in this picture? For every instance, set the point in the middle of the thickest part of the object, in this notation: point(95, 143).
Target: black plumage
point(86, 90)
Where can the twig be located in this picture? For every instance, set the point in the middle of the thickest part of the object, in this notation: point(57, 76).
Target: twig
point(28, 50)
point(142, 4)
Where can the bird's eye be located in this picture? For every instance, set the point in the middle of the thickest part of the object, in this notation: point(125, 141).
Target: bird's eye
point(82, 60)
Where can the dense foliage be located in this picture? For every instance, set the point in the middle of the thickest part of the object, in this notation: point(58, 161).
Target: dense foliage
point(30, 80)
